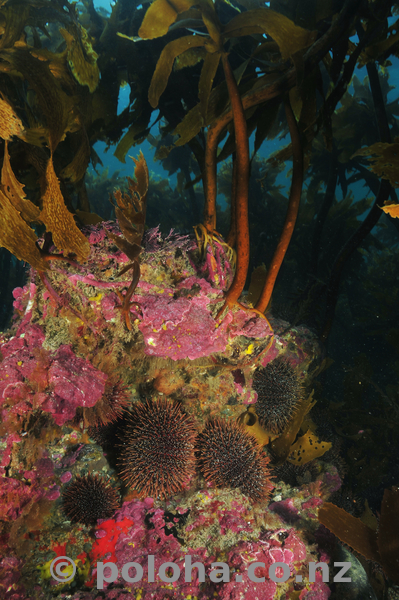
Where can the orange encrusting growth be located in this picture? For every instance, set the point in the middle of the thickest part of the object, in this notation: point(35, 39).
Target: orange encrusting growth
point(292, 212)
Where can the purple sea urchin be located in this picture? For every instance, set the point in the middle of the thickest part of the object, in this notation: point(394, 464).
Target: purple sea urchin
point(279, 395)
point(90, 498)
point(230, 457)
point(158, 448)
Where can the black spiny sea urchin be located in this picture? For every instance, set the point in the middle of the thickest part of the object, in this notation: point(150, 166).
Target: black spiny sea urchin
point(230, 457)
point(279, 395)
point(158, 448)
point(90, 498)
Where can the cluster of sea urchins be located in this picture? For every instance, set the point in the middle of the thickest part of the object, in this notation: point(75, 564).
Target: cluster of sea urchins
point(279, 395)
point(160, 450)
point(160, 447)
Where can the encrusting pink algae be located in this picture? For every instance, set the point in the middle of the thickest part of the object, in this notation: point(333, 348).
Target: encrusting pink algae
point(67, 339)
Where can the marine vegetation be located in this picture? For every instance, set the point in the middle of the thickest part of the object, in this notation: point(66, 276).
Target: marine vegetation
point(167, 344)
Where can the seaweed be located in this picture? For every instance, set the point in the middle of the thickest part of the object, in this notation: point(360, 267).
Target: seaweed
point(381, 546)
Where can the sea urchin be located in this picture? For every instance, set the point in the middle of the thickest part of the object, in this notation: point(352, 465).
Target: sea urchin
point(90, 498)
point(230, 457)
point(279, 395)
point(158, 448)
point(110, 407)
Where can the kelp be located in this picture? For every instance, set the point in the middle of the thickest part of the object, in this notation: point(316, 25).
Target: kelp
point(387, 44)
point(165, 64)
point(15, 191)
point(388, 533)
point(81, 57)
point(249, 421)
point(307, 448)
point(10, 123)
point(17, 236)
point(384, 159)
point(350, 530)
point(281, 446)
point(14, 23)
point(391, 209)
point(49, 79)
point(58, 108)
point(284, 447)
point(15, 233)
point(17, 212)
point(76, 169)
point(289, 37)
point(160, 15)
point(381, 546)
point(130, 211)
point(57, 219)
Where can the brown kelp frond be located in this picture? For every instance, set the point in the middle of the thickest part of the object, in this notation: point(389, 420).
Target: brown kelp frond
point(10, 123)
point(350, 530)
point(81, 57)
point(52, 103)
point(17, 212)
point(384, 160)
point(381, 546)
point(15, 191)
point(17, 236)
point(57, 219)
point(130, 212)
point(131, 209)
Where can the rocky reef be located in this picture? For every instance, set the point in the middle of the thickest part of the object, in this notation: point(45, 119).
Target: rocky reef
point(70, 368)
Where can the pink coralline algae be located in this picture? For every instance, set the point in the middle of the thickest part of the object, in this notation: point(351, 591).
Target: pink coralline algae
point(14, 497)
point(10, 574)
point(227, 524)
point(75, 382)
point(268, 552)
point(10, 439)
point(18, 495)
point(184, 327)
point(140, 542)
point(179, 329)
point(31, 377)
point(75, 313)
point(174, 305)
point(286, 510)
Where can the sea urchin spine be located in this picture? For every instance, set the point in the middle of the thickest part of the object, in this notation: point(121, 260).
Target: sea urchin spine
point(158, 448)
point(90, 498)
point(230, 457)
point(279, 395)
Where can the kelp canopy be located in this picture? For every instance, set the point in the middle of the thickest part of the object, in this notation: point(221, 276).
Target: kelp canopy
point(209, 69)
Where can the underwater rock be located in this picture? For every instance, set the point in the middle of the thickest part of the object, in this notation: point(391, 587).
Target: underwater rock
point(359, 588)
point(31, 377)
point(69, 342)
point(222, 526)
